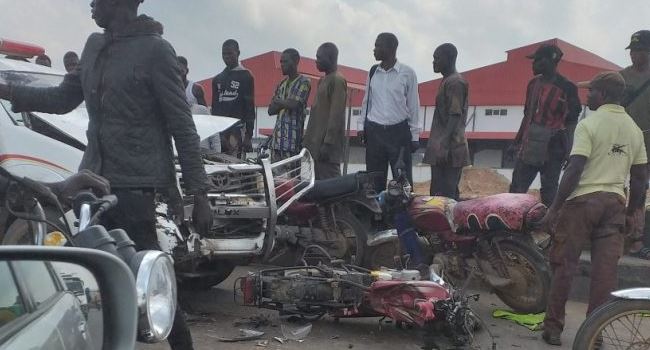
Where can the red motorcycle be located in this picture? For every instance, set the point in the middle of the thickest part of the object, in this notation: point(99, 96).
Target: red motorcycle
point(489, 238)
point(346, 291)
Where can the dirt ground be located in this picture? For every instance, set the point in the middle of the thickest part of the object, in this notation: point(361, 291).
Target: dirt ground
point(477, 182)
point(215, 315)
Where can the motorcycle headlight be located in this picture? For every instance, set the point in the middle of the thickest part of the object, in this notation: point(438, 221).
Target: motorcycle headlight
point(156, 289)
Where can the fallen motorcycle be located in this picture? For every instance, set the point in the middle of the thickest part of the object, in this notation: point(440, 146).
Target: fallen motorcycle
point(347, 291)
point(622, 323)
point(488, 237)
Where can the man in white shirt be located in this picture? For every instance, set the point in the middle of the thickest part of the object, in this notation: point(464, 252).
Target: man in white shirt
point(193, 91)
point(389, 112)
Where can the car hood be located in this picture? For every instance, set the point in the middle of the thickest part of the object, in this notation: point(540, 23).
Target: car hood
point(75, 124)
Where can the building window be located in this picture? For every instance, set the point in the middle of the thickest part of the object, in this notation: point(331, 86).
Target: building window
point(496, 112)
point(356, 112)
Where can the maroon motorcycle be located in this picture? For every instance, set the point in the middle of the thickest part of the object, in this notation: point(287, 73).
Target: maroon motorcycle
point(488, 238)
point(346, 291)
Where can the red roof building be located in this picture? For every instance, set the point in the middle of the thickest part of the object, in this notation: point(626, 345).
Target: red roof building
point(497, 94)
point(497, 91)
point(504, 83)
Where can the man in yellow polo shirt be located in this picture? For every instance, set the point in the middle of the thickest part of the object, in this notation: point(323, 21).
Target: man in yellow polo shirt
point(608, 149)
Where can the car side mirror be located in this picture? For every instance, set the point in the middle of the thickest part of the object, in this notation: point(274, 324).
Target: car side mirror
point(90, 291)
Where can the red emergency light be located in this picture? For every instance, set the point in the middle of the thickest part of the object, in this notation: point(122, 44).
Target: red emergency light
point(19, 49)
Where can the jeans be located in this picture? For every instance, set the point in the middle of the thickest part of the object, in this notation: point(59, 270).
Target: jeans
point(524, 174)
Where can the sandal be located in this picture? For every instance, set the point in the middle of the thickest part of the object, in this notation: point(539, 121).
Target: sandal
point(643, 253)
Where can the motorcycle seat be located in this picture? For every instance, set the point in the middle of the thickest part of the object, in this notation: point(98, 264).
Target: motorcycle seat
point(506, 211)
point(333, 188)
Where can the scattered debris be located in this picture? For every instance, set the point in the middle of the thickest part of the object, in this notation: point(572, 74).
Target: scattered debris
point(244, 335)
point(263, 343)
point(350, 346)
point(256, 321)
point(279, 340)
point(200, 318)
point(299, 333)
point(335, 337)
point(293, 319)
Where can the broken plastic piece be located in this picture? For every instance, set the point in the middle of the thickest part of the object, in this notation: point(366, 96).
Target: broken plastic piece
point(279, 340)
point(244, 335)
point(299, 333)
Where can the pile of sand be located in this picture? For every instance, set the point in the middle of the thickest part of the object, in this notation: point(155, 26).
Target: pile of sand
point(475, 183)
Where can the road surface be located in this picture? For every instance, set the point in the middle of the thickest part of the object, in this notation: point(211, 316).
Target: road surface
point(215, 312)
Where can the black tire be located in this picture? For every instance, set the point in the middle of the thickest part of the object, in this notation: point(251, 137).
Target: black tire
point(607, 315)
point(527, 266)
point(355, 234)
point(215, 273)
point(286, 254)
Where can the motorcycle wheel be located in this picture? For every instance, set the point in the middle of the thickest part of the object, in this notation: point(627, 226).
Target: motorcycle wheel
point(532, 277)
point(381, 256)
point(384, 254)
point(355, 235)
point(215, 273)
point(620, 324)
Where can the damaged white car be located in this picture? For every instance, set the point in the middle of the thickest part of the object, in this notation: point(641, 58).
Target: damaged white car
point(245, 208)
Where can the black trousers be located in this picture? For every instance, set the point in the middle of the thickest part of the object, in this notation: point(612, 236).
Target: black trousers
point(445, 180)
point(524, 174)
point(136, 214)
point(383, 146)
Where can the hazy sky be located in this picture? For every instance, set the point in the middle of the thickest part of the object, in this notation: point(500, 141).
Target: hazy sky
point(482, 30)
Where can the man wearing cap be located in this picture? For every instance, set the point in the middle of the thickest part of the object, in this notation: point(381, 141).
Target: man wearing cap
point(550, 114)
point(590, 203)
point(637, 104)
point(130, 79)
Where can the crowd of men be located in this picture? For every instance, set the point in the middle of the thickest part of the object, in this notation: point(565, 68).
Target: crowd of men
point(132, 121)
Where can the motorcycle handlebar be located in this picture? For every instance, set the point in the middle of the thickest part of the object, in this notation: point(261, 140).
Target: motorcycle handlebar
point(84, 202)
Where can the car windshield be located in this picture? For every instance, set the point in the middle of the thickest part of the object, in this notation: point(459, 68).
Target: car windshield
point(31, 79)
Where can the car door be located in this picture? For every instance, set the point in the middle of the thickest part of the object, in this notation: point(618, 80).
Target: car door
point(44, 315)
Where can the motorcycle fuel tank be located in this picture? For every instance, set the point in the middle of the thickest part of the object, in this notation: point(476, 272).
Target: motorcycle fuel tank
point(432, 214)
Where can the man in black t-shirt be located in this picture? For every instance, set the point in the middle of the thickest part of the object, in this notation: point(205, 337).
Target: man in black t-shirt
point(232, 96)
